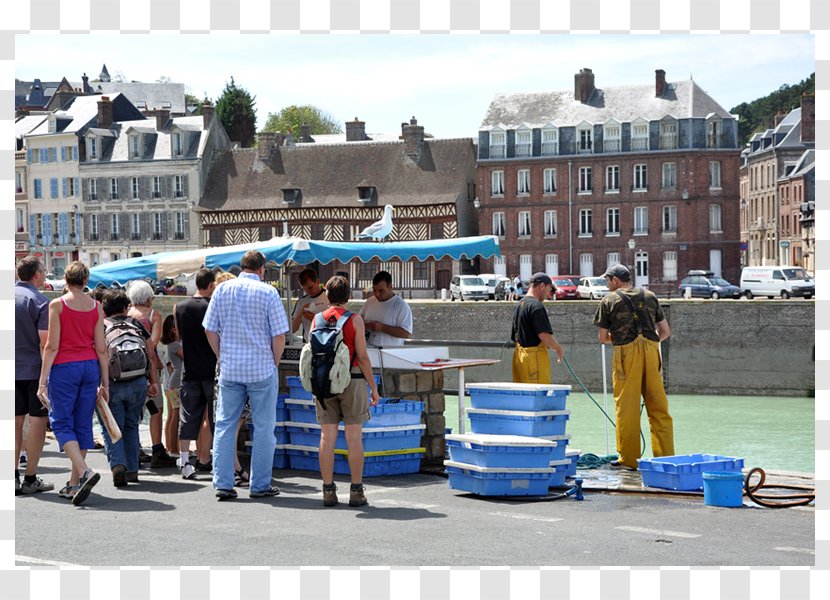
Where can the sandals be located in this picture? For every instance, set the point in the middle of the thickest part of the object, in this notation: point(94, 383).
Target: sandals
point(68, 491)
point(241, 478)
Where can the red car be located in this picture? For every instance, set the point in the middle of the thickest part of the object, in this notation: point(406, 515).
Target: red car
point(565, 288)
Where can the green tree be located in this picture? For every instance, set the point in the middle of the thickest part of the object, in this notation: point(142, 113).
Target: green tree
point(235, 109)
point(292, 117)
point(759, 114)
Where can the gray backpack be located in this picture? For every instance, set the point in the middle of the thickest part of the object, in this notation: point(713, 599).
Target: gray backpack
point(127, 346)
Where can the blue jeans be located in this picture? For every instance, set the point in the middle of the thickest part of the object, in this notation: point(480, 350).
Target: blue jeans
point(73, 387)
point(262, 396)
point(127, 407)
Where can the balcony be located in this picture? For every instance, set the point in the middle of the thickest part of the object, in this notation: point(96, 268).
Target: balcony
point(115, 236)
point(498, 151)
point(136, 236)
point(94, 237)
point(179, 235)
point(639, 144)
point(157, 235)
point(550, 148)
point(611, 145)
point(523, 150)
point(668, 142)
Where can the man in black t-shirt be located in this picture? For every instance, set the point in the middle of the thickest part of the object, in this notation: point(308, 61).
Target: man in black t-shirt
point(198, 376)
point(533, 335)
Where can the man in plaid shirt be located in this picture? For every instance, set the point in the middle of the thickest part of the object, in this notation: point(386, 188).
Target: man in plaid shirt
point(245, 325)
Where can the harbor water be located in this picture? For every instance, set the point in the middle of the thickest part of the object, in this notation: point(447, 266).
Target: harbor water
point(773, 433)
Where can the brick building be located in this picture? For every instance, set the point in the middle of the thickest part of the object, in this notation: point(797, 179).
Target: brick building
point(645, 175)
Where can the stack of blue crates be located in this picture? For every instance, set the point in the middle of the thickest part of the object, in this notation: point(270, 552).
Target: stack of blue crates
point(280, 433)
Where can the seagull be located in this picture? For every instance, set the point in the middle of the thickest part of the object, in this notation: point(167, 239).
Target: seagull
point(379, 229)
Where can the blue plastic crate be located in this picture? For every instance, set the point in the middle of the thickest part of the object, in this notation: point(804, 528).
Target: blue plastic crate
point(281, 460)
point(394, 411)
point(515, 422)
point(400, 463)
point(562, 442)
point(573, 456)
point(560, 472)
point(685, 472)
point(486, 481)
point(281, 401)
point(374, 440)
point(283, 414)
point(487, 450)
point(301, 410)
point(518, 396)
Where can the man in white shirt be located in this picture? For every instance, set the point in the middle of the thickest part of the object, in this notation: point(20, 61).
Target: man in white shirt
point(313, 301)
point(387, 316)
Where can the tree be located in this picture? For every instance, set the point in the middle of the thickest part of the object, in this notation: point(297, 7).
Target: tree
point(759, 114)
point(235, 109)
point(292, 117)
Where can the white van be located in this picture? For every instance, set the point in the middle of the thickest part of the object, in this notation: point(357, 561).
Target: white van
point(780, 280)
point(491, 280)
point(468, 287)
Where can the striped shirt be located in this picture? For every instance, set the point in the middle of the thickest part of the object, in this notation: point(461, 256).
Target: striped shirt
point(246, 313)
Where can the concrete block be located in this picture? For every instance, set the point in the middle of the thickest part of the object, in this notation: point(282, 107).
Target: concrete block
point(436, 448)
point(423, 381)
point(435, 403)
point(435, 424)
point(407, 383)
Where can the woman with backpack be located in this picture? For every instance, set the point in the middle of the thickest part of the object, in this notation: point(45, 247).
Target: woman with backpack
point(75, 373)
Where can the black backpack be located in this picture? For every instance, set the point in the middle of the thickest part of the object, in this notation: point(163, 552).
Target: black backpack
point(127, 346)
point(325, 361)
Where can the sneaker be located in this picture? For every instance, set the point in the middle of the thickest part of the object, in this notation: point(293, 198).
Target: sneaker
point(356, 495)
point(38, 485)
point(225, 494)
point(329, 494)
point(204, 467)
point(271, 491)
point(162, 460)
point(119, 476)
point(87, 482)
point(187, 471)
point(22, 460)
point(17, 491)
point(132, 476)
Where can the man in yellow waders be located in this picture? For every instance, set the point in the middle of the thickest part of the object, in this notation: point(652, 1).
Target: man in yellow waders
point(632, 320)
point(533, 335)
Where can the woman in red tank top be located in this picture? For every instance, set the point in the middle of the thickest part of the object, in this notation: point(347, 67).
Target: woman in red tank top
point(75, 373)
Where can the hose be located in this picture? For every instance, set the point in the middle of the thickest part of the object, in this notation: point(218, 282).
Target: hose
point(592, 461)
point(807, 496)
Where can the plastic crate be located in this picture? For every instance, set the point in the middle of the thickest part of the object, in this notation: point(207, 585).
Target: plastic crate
point(281, 457)
point(374, 440)
point(518, 396)
point(685, 472)
point(562, 442)
point(487, 450)
point(487, 481)
point(560, 468)
point(301, 410)
point(375, 464)
point(516, 422)
point(280, 431)
point(281, 402)
point(283, 414)
point(573, 456)
point(394, 411)
point(295, 388)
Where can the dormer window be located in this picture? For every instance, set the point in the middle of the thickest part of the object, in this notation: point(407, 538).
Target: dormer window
point(135, 146)
point(92, 148)
point(639, 135)
point(584, 138)
point(612, 137)
point(550, 141)
point(524, 141)
point(291, 194)
point(498, 144)
point(714, 131)
point(177, 144)
point(668, 134)
point(53, 124)
point(366, 193)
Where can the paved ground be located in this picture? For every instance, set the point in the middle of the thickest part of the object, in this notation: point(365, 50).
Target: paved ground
point(412, 520)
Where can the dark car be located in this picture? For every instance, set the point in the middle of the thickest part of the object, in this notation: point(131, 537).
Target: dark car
point(565, 288)
point(704, 284)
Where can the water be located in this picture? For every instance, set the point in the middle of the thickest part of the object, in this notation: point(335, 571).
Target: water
point(773, 433)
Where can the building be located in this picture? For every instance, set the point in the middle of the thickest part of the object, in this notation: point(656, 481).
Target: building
point(331, 187)
point(24, 237)
point(771, 156)
point(796, 189)
point(647, 175)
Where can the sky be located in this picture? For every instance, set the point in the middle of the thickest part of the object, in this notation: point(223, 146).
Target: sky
point(446, 81)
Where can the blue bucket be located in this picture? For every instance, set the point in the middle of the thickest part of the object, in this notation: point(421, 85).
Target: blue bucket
point(723, 489)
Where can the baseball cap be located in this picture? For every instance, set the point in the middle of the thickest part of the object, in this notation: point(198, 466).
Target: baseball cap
point(540, 278)
point(620, 271)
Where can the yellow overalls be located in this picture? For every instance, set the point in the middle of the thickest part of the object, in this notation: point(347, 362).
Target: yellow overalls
point(531, 365)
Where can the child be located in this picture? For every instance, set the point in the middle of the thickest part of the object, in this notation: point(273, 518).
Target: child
point(172, 386)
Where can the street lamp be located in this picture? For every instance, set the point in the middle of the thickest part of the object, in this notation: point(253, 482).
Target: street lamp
point(631, 245)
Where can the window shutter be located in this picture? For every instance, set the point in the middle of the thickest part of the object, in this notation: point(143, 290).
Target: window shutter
point(171, 224)
point(32, 229)
point(77, 186)
point(185, 184)
point(29, 156)
point(186, 224)
point(64, 187)
point(74, 153)
point(63, 153)
point(63, 227)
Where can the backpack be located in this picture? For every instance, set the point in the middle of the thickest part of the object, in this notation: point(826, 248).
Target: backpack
point(127, 348)
point(325, 361)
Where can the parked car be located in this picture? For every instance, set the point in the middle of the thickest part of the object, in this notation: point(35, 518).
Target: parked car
point(53, 283)
point(169, 287)
point(704, 284)
point(468, 287)
point(491, 280)
point(565, 288)
point(592, 288)
point(784, 281)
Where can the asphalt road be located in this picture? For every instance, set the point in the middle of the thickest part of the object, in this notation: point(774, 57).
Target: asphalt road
point(411, 520)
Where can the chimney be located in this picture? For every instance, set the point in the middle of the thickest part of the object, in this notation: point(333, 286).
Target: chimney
point(266, 142)
point(808, 118)
point(413, 139)
point(779, 116)
point(305, 133)
point(659, 82)
point(355, 131)
point(85, 87)
point(583, 85)
point(162, 116)
point(207, 114)
point(105, 113)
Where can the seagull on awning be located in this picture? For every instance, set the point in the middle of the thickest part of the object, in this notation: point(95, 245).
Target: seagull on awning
point(379, 229)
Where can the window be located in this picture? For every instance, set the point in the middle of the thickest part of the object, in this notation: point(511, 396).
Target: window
point(498, 224)
point(523, 182)
point(499, 266)
point(640, 179)
point(715, 218)
point(93, 227)
point(116, 226)
point(156, 187)
point(497, 183)
point(52, 153)
point(668, 135)
point(524, 223)
point(586, 265)
point(44, 155)
point(613, 258)
point(550, 223)
point(586, 227)
point(19, 182)
point(670, 266)
point(136, 226)
point(33, 156)
point(612, 178)
point(180, 216)
point(669, 219)
point(38, 189)
point(498, 144)
point(135, 146)
point(420, 270)
point(71, 186)
point(549, 177)
point(640, 220)
point(585, 140)
point(612, 221)
point(550, 141)
point(53, 187)
point(612, 138)
point(91, 148)
point(713, 133)
point(639, 136)
point(74, 153)
point(178, 186)
point(552, 265)
point(134, 188)
point(524, 142)
point(525, 266)
point(584, 180)
point(669, 175)
point(158, 226)
point(92, 186)
point(114, 188)
point(176, 141)
point(714, 174)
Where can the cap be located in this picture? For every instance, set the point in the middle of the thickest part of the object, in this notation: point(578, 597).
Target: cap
point(540, 278)
point(619, 271)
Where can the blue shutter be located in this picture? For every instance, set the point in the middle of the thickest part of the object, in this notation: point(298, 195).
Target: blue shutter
point(46, 228)
point(29, 156)
point(64, 187)
point(44, 155)
point(63, 154)
point(77, 228)
point(77, 186)
point(32, 229)
point(74, 153)
point(53, 187)
point(63, 224)
point(38, 191)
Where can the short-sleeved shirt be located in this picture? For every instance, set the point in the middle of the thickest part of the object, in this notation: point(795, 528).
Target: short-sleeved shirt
point(199, 359)
point(615, 315)
point(394, 312)
point(530, 318)
point(312, 304)
point(348, 330)
point(247, 314)
point(174, 379)
point(31, 316)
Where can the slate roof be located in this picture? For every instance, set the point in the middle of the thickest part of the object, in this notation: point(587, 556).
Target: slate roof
point(157, 145)
point(682, 99)
point(155, 95)
point(26, 124)
point(329, 174)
